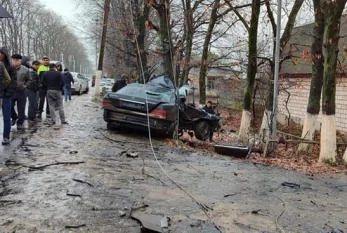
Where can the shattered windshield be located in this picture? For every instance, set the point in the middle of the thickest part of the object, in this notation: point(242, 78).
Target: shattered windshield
point(154, 93)
point(159, 83)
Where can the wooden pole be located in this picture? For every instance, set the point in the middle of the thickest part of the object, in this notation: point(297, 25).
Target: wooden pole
point(103, 35)
point(102, 50)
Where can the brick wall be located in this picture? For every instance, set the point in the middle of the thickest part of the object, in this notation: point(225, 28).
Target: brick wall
point(299, 88)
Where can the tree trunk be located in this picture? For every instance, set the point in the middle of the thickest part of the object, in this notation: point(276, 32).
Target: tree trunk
point(251, 73)
point(165, 38)
point(332, 14)
point(140, 19)
point(188, 16)
point(205, 48)
point(313, 106)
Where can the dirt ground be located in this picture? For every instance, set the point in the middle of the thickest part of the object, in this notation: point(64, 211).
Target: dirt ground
point(83, 178)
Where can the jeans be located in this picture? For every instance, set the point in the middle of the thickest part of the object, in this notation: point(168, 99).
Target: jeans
point(6, 112)
point(42, 97)
point(55, 102)
point(19, 98)
point(67, 91)
point(32, 97)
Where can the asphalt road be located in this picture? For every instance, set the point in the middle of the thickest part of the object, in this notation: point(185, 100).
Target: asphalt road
point(83, 178)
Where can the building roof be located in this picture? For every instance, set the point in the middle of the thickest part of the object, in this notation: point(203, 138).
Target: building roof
point(299, 46)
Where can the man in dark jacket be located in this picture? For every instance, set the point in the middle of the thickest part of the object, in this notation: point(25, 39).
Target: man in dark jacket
point(43, 92)
point(208, 108)
point(68, 79)
point(7, 93)
point(54, 83)
point(32, 90)
point(119, 84)
point(19, 97)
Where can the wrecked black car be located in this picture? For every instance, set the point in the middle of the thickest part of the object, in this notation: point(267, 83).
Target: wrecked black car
point(165, 107)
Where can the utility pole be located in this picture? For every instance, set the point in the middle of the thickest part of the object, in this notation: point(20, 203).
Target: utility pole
point(103, 35)
point(102, 48)
point(277, 66)
point(96, 43)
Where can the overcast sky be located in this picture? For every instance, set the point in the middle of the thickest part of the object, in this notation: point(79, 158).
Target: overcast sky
point(65, 8)
point(68, 10)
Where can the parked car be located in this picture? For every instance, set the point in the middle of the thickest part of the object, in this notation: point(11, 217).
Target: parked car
point(80, 85)
point(128, 108)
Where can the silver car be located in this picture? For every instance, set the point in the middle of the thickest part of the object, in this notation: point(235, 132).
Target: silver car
point(80, 85)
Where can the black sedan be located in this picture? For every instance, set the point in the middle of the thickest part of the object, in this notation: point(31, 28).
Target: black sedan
point(156, 105)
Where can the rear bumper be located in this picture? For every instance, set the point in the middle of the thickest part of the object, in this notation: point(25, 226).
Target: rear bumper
point(137, 121)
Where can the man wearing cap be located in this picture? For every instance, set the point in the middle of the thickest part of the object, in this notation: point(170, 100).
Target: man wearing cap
point(19, 96)
point(54, 83)
point(44, 67)
point(32, 90)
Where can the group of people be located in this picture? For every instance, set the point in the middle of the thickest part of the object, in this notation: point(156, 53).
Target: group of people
point(35, 84)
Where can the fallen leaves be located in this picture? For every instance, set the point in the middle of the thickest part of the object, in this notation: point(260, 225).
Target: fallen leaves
point(285, 155)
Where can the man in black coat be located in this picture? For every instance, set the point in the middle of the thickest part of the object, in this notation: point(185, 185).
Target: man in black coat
point(33, 86)
point(7, 94)
point(53, 81)
point(208, 108)
point(68, 79)
point(119, 84)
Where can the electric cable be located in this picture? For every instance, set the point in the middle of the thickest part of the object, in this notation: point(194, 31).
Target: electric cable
point(202, 207)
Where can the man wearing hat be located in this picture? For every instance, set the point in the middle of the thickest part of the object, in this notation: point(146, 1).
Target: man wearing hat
point(19, 96)
point(44, 67)
point(33, 86)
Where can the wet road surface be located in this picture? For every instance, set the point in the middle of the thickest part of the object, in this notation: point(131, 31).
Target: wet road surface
point(91, 180)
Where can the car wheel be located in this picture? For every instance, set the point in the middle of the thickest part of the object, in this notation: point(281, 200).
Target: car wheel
point(202, 130)
point(87, 90)
point(80, 91)
point(109, 126)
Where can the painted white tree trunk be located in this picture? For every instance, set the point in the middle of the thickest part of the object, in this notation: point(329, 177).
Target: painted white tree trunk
point(345, 156)
point(265, 125)
point(308, 132)
point(245, 125)
point(328, 139)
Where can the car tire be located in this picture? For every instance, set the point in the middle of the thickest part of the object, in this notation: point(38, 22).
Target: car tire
point(80, 91)
point(203, 130)
point(87, 90)
point(109, 126)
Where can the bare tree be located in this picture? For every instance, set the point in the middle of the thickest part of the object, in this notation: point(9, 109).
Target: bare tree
point(332, 11)
point(251, 73)
point(313, 106)
point(37, 33)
